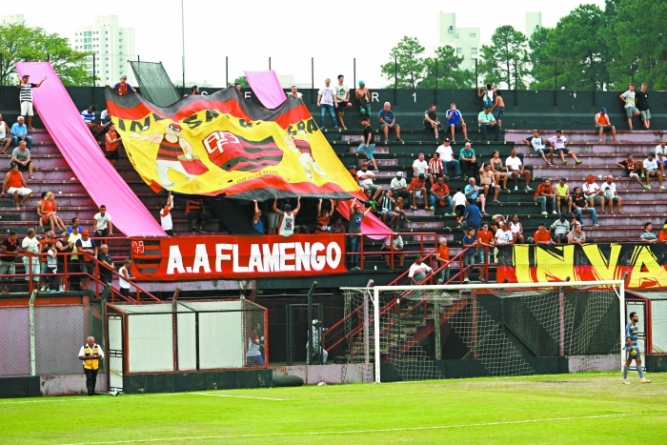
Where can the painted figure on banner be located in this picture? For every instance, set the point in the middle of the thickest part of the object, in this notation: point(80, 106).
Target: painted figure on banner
point(300, 145)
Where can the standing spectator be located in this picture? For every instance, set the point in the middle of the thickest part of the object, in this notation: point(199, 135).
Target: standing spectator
point(540, 147)
point(487, 95)
point(367, 147)
point(442, 257)
point(650, 167)
point(435, 167)
point(641, 99)
point(632, 169)
point(603, 124)
point(418, 189)
point(106, 264)
point(516, 228)
point(610, 194)
point(487, 122)
point(396, 245)
point(342, 100)
point(661, 155)
point(418, 271)
point(15, 185)
point(196, 213)
point(399, 186)
point(516, 169)
point(47, 279)
point(324, 217)
point(10, 248)
point(102, 224)
point(455, 122)
point(486, 241)
point(5, 138)
point(25, 97)
point(122, 88)
point(257, 224)
point(49, 212)
point(469, 242)
point(31, 249)
point(64, 247)
point(112, 142)
point(105, 119)
point(468, 160)
point(576, 236)
point(237, 85)
point(559, 144)
point(294, 93)
point(472, 215)
point(459, 200)
point(580, 205)
point(543, 194)
point(288, 217)
point(365, 178)
point(88, 116)
point(628, 98)
point(125, 277)
point(662, 236)
point(560, 228)
point(87, 248)
point(499, 172)
point(499, 108)
point(388, 122)
point(647, 235)
point(318, 344)
point(387, 205)
point(447, 157)
point(473, 193)
point(19, 132)
point(363, 95)
point(326, 101)
point(354, 230)
point(166, 221)
point(255, 343)
point(76, 223)
point(432, 123)
point(75, 259)
point(91, 353)
point(21, 157)
point(562, 191)
point(542, 235)
point(486, 179)
point(440, 196)
point(420, 167)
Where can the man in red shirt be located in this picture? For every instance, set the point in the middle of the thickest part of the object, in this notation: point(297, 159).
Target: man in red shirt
point(10, 248)
point(602, 124)
point(442, 257)
point(418, 184)
point(485, 242)
point(112, 143)
point(542, 235)
point(16, 186)
point(545, 194)
point(440, 196)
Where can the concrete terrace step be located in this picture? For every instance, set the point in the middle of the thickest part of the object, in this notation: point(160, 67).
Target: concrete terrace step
point(616, 151)
point(588, 135)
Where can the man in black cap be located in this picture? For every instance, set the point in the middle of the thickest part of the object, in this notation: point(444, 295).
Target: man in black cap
point(603, 124)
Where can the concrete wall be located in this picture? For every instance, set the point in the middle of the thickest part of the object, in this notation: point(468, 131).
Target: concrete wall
point(330, 374)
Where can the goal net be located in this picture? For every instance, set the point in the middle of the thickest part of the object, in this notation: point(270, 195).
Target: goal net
point(432, 332)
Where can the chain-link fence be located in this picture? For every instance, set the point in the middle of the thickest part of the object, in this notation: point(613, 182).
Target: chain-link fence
point(45, 339)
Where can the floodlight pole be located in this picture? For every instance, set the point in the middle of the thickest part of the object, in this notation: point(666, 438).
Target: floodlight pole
point(183, 45)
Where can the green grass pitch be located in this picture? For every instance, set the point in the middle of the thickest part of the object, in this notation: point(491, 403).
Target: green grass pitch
point(586, 409)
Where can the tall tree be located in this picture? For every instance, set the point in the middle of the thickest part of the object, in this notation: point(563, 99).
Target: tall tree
point(443, 70)
point(542, 68)
point(406, 66)
point(242, 80)
point(506, 58)
point(20, 43)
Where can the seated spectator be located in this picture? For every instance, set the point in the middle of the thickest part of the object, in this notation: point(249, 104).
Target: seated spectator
point(504, 235)
point(388, 122)
point(647, 235)
point(395, 245)
point(418, 189)
point(102, 223)
point(106, 264)
point(105, 118)
point(580, 205)
point(326, 102)
point(593, 193)
point(418, 271)
point(577, 235)
point(15, 185)
point(603, 124)
point(440, 195)
point(196, 213)
point(473, 192)
point(76, 223)
point(122, 88)
point(367, 147)
point(338, 226)
point(387, 205)
point(542, 235)
point(486, 180)
point(469, 243)
point(487, 123)
point(459, 201)
point(517, 230)
point(562, 192)
point(88, 116)
point(420, 167)
point(455, 122)
point(399, 186)
point(447, 157)
point(21, 157)
point(112, 143)
point(400, 210)
point(632, 169)
point(257, 224)
point(49, 213)
point(166, 222)
point(324, 217)
point(431, 123)
point(435, 167)
point(87, 248)
point(468, 161)
point(539, 145)
point(545, 195)
point(611, 195)
point(560, 229)
point(661, 155)
point(363, 95)
point(19, 132)
point(516, 170)
point(5, 138)
point(342, 100)
point(472, 215)
point(366, 178)
point(10, 248)
point(650, 167)
point(662, 236)
point(499, 172)
point(442, 257)
point(559, 145)
point(497, 221)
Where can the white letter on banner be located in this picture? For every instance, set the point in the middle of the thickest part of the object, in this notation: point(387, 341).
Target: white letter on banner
point(175, 261)
point(333, 261)
point(302, 256)
point(271, 259)
point(255, 259)
point(236, 267)
point(284, 267)
point(220, 257)
point(201, 259)
point(318, 261)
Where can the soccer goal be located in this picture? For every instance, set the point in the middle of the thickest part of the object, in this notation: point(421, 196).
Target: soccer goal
point(431, 332)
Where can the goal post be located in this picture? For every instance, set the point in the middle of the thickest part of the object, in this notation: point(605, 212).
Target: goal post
point(505, 327)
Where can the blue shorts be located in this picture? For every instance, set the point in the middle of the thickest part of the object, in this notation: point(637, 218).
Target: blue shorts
point(368, 149)
point(628, 357)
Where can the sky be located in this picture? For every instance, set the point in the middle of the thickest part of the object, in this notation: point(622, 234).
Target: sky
point(291, 32)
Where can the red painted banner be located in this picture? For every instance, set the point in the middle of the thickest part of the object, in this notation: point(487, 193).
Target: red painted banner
point(237, 257)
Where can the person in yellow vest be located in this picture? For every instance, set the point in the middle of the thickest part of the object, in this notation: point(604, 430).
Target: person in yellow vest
point(91, 353)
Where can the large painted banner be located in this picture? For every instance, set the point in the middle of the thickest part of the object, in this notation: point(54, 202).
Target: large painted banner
point(646, 264)
point(237, 257)
point(224, 145)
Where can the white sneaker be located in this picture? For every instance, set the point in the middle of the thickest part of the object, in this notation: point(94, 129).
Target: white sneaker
point(516, 189)
point(625, 382)
point(554, 213)
point(645, 380)
point(43, 289)
point(648, 187)
point(662, 187)
point(544, 213)
point(466, 280)
point(61, 289)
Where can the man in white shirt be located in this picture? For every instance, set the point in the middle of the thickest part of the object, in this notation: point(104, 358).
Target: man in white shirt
point(504, 235)
point(102, 222)
point(651, 169)
point(661, 156)
point(611, 196)
point(628, 98)
point(515, 168)
point(559, 144)
point(420, 167)
point(365, 178)
point(30, 244)
point(560, 229)
point(394, 246)
point(447, 156)
point(91, 353)
point(593, 193)
point(399, 187)
point(326, 100)
point(418, 271)
point(459, 202)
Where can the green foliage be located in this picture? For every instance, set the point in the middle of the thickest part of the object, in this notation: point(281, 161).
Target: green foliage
point(443, 70)
point(20, 43)
point(407, 66)
point(242, 80)
point(506, 60)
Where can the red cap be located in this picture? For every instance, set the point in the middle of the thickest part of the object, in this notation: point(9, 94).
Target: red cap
point(85, 232)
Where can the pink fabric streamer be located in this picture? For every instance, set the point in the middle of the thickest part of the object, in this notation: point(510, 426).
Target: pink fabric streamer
point(266, 86)
point(371, 225)
point(77, 145)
